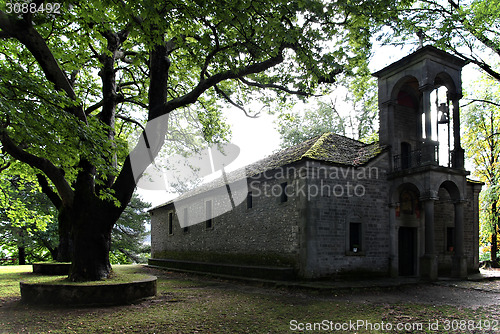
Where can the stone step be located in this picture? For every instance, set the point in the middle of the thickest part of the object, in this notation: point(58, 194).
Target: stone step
point(263, 272)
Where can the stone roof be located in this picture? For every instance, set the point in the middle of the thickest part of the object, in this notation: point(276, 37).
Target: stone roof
point(329, 147)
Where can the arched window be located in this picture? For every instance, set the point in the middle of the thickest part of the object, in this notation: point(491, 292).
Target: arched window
point(405, 155)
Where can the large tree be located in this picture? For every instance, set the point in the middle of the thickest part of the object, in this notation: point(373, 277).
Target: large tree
point(69, 80)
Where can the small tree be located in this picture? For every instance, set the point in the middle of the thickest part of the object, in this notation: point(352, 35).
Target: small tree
point(482, 140)
point(356, 118)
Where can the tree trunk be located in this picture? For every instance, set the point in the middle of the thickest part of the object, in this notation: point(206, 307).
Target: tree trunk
point(64, 229)
point(91, 245)
point(494, 237)
point(21, 251)
point(92, 220)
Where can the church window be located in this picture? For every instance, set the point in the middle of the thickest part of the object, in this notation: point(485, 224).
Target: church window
point(450, 239)
point(208, 215)
point(186, 220)
point(249, 200)
point(283, 195)
point(405, 155)
point(170, 223)
point(355, 238)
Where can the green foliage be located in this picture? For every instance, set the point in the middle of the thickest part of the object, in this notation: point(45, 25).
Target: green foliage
point(129, 234)
point(355, 117)
point(482, 142)
point(27, 219)
point(469, 29)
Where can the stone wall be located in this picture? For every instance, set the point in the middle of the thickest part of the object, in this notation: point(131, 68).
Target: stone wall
point(348, 195)
point(267, 233)
point(444, 218)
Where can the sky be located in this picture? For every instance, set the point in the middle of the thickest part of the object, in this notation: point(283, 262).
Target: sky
point(258, 137)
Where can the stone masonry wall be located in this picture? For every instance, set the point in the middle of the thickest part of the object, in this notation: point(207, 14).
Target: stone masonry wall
point(348, 195)
point(444, 215)
point(267, 233)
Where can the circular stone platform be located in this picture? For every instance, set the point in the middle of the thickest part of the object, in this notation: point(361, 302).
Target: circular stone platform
point(87, 294)
point(51, 268)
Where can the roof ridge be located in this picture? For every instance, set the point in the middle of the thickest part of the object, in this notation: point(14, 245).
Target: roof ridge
point(318, 143)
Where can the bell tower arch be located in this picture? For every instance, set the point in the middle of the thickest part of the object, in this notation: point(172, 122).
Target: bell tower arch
point(410, 113)
point(420, 123)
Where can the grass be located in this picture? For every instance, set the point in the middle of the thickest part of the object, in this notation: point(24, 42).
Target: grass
point(12, 275)
point(196, 304)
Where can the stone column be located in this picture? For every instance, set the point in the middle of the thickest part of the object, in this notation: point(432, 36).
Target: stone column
point(393, 235)
point(428, 262)
point(429, 146)
point(426, 108)
point(459, 265)
point(458, 151)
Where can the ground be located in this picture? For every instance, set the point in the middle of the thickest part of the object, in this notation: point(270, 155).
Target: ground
point(199, 304)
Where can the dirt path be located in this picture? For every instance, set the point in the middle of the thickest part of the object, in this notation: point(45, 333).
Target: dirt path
point(465, 294)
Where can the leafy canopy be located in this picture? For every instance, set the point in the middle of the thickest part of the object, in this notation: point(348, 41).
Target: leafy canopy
point(74, 84)
point(468, 28)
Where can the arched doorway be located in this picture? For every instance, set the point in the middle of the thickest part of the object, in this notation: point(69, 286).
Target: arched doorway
point(448, 230)
point(408, 225)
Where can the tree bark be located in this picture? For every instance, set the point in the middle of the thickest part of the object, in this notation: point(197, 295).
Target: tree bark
point(64, 248)
point(21, 252)
point(494, 237)
point(91, 239)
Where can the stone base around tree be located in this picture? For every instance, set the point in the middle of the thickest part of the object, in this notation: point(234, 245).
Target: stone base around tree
point(51, 268)
point(72, 294)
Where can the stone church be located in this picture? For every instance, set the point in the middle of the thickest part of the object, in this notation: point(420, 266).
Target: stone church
point(333, 206)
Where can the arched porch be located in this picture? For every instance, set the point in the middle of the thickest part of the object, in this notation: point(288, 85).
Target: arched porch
point(427, 230)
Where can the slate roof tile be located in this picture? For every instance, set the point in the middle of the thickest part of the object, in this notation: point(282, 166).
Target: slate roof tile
point(329, 147)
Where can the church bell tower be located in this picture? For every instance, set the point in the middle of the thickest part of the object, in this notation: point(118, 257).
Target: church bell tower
point(419, 105)
point(420, 124)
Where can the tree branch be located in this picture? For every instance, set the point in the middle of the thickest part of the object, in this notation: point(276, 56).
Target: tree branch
point(213, 80)
point(140, 104)
point(55, 174)
point(471, 101)
point(47, 190)
point(273, 86)
point(94, 107)
point(131, 120)
point(228, 99)
point(34, 42)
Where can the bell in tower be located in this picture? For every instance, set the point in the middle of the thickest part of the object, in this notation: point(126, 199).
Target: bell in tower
point(419, 109)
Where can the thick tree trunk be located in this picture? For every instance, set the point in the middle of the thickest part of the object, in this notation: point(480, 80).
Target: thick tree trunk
point(92, 220)
point(494, 237)
point(64, 229)
point(91, 240)
point(21, 252)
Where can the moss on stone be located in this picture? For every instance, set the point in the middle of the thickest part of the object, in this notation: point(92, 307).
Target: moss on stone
point(255, 259)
